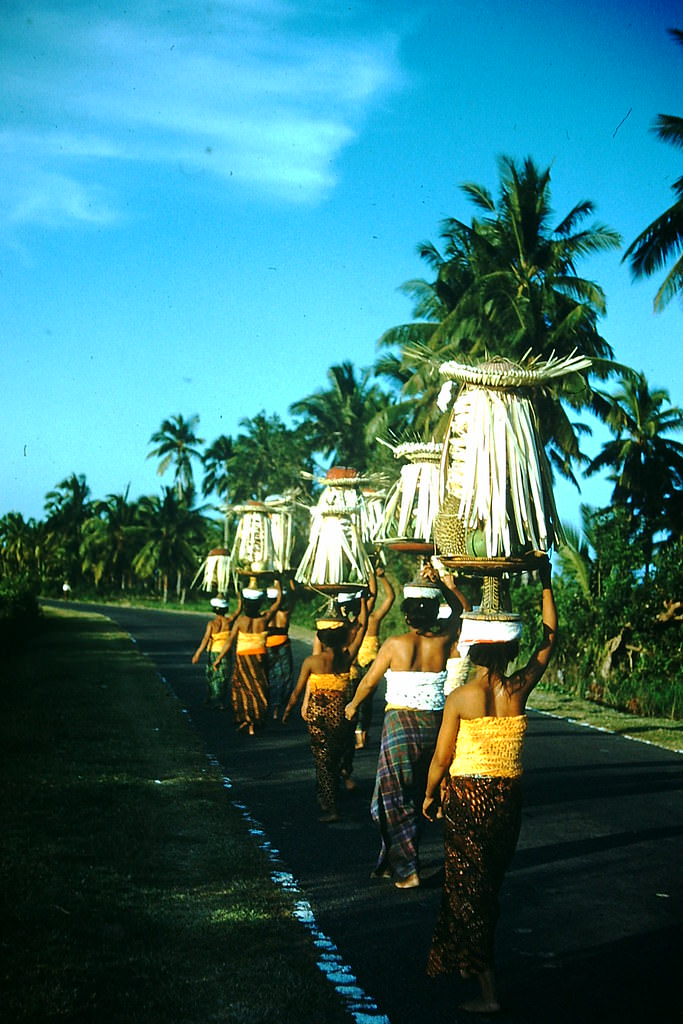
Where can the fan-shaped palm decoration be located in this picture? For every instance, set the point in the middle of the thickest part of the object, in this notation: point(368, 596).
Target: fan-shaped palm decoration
point(281, 515)
point(335, 558)
point(497, 499)
point(215, 571)
point(413, 501)
point(253, 550)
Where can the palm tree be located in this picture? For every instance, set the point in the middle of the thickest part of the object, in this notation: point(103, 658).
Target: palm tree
point(67, 508)
point(507, 284)
point(174, 538)
point(662, 240)
point(19, 545)
point(336, 419)
point(108, 540)
point(267, 458)
point(215, 460)
point(645, 465)
point(176, 441)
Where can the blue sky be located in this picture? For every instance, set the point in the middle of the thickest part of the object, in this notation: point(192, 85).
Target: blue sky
point(203, 207)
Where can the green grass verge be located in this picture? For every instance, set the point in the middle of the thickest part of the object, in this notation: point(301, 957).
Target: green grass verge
point(664, 732)
point(132, 891)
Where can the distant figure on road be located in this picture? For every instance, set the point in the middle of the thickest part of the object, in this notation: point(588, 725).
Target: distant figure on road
point(370, 648)
point(216, 633)
point(250, 676)
point(478, 753)
point(415, 668)
point(324, 680)
point(279, 658)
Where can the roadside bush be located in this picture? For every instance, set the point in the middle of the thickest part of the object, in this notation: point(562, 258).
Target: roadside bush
point(19, 612)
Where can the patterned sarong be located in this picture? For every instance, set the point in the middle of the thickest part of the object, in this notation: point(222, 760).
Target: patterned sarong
point(482, 818)
point(408, 742)
point(217, 678)
point(280, 665)
point(329, 732)
point(250, 689)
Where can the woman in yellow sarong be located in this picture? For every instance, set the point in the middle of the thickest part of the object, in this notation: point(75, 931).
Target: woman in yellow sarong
point(477, 770)
point(250, 676)
point(325, 680)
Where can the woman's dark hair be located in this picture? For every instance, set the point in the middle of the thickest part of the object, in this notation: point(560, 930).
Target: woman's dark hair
point(421, 612)
point(494, 656)
point(336, 639)
point(251, 606)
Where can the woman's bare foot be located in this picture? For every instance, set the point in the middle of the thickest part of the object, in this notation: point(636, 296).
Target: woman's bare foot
point(251, 729)
point(481, 1005)
point(328, 817)
point(411, 882)
point(381, 873)
point(487, 1001)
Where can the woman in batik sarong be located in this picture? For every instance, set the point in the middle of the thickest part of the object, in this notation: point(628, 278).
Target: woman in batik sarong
point(250, 676)
point(478, 754)
point(279, 658)
point(324, 681)
point(370, 647)
point(415, 668)
point(216, 633)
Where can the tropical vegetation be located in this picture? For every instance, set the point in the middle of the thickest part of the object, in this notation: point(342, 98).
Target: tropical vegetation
point(661, 242)
point(508, 283)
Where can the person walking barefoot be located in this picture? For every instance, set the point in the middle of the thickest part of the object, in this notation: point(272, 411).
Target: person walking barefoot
point(476, 771)
point(324, 679)
point(414, 664)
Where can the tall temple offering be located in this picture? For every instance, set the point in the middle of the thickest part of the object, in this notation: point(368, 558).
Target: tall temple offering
point(497, 499)
point(413, 501)
point(336, 559)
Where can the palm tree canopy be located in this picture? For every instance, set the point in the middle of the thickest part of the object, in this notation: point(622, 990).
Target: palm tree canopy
point(176, 442)
point(336, 419)
point(506, 284)
point(267, 458)
point(215, 460)
point(646, 466)
point(662, 240)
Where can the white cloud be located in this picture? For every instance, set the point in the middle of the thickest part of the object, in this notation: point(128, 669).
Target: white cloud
point(252, 92)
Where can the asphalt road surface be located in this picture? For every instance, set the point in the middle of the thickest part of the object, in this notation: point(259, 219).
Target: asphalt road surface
point(591, 906)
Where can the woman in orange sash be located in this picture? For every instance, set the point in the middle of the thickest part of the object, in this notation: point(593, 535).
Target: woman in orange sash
point(325, 680)
point(217, 673)
point(477, 770)
point(250, 677)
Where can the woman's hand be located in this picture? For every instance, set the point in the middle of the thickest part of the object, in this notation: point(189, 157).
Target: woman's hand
point(431, 809)
point(350, 711)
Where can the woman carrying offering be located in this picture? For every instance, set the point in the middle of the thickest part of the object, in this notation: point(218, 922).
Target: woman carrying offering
point(414, 664)
point(324, 678)
point(478, 759)
point(250, 678)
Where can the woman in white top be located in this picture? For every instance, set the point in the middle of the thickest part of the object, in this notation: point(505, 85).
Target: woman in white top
point(414, 664)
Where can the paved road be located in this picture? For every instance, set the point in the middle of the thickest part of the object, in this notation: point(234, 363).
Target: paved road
point(590, 928)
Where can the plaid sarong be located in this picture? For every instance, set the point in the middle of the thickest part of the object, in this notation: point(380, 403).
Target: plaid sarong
point(408, 742)
point(250, 690)
point(280, 673)
point(482, 818)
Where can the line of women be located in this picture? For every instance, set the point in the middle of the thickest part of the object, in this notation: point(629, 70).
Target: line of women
point(456, 755)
